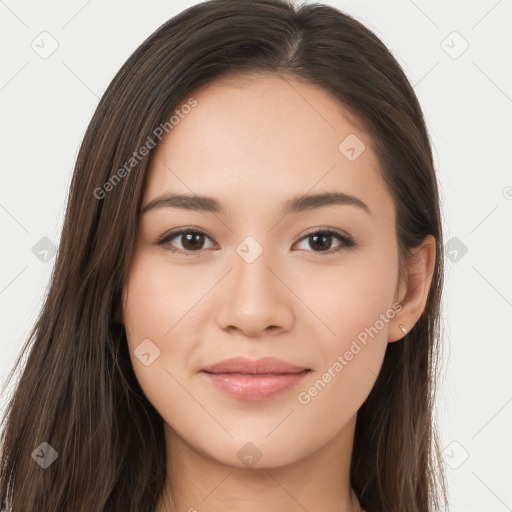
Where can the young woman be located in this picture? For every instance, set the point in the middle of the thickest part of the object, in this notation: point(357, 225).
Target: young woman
point(245, 309)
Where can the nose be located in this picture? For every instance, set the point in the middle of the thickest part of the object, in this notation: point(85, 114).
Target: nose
point(255, 299)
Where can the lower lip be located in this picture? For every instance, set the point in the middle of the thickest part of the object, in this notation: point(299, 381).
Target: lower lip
point(255, 387)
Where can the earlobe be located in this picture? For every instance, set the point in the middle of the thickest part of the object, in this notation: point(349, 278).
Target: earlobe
point(397, 331)
point(421, 265)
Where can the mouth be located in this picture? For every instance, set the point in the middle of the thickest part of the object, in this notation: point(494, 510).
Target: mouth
point(249, 380)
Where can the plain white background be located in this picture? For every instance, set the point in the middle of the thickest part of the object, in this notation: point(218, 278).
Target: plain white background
point(457, 55)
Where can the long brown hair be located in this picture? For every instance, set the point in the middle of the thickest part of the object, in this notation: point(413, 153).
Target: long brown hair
point(77, 390)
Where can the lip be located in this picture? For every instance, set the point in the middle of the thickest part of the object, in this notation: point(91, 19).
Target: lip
point(262, 379)
point(259, 366)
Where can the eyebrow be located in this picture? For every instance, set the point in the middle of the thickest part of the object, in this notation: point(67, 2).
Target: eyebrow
point(293, 205)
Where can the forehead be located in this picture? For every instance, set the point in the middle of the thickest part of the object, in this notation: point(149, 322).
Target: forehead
point(266, 138)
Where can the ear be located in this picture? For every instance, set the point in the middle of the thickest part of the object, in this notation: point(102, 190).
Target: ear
point(413, 294)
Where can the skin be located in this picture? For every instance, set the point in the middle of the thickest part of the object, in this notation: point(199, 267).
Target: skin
point(253, 143)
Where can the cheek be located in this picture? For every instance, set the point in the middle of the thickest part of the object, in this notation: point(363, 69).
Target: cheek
point(354, 304)
point(350, 298)
point(154, 312)
point(158, 298)
point(157, 307)
point(358, 313)
point(146, 294)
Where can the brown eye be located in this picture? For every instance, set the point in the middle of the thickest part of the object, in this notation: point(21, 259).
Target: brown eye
point(190, 241)
point(321, 241)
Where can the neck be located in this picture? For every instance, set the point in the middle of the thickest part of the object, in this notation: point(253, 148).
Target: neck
point(319, 481)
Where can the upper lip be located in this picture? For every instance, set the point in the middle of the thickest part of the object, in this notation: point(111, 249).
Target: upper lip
point(259, 366)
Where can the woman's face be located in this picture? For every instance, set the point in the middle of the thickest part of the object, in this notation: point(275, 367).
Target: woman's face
point(255, 279)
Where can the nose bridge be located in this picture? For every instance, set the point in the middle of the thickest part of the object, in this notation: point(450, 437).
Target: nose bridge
point(255, 298)
point(252, 275)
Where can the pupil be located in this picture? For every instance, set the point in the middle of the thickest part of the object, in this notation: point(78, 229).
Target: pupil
point(323, 236)
point(189, 240)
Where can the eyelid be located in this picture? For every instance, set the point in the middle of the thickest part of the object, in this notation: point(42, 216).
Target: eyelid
point(336, 231)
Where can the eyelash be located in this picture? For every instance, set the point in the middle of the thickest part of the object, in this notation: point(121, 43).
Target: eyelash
point(347, 241)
